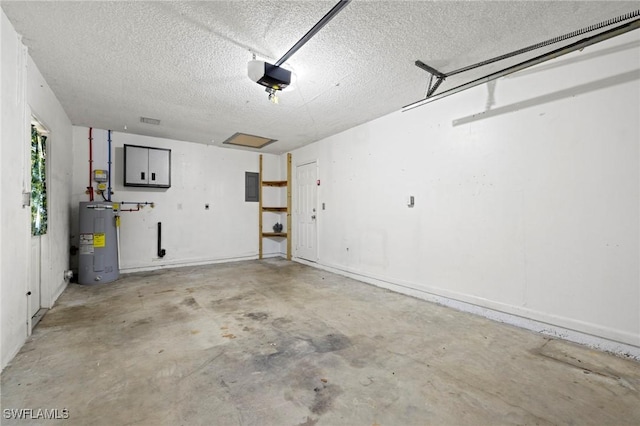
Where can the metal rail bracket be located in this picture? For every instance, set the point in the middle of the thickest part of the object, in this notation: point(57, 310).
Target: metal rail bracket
point(440, 77)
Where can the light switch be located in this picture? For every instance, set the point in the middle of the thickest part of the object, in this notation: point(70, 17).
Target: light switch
point(26, 199)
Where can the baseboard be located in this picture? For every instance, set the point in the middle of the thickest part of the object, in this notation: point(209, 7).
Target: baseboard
point(272, 255)
point(596, 342)
point(37, 317)
point(184, 263)
point(58, 293)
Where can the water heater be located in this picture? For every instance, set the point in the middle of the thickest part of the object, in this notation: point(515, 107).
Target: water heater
point(98, 245)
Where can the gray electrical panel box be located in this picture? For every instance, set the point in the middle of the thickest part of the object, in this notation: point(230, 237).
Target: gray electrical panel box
point(146, 166)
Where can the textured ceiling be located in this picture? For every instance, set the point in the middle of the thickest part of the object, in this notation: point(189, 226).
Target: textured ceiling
point(185, 63)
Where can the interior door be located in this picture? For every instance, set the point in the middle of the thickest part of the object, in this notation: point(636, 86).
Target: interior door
point(306, 211)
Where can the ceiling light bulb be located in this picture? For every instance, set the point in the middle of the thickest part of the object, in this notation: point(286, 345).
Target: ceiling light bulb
point(273, 97)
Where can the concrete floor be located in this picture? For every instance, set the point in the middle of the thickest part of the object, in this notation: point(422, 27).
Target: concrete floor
point(278, 343)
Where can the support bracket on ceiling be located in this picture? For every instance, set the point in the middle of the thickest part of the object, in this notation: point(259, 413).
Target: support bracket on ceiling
point(440, 77)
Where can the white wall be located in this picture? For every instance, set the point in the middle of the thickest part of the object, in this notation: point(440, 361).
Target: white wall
point(15, 219)
point(528, 206)
point(200, 175)
point(24, 92)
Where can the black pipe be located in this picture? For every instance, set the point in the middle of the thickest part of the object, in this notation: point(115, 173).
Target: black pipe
point(161, 251)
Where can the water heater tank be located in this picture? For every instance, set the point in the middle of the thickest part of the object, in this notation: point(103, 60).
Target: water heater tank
point(98, 246)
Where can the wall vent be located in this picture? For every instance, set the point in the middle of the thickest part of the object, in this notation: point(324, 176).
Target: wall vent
point(148, 120)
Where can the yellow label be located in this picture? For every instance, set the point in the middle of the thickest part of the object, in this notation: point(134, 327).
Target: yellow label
point(116, 206)
point(99, 240)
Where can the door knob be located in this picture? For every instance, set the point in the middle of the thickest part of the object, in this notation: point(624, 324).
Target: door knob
point(313, 217)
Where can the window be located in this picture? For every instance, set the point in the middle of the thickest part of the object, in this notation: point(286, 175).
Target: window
point(252, 186)
point(38, 182)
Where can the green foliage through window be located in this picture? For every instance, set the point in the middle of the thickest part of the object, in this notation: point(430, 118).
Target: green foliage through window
point(38, 183)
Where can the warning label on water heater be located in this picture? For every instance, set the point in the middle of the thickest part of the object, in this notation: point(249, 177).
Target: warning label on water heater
point(99, 240)
point(86, 243)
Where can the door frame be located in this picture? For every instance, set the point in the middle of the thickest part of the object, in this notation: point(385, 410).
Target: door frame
point(43, 240)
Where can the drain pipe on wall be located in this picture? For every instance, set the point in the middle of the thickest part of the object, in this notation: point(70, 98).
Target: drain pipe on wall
point(118, 237)
point(118, 210)
point(109, 166)
point(90, 187)
point(161, 252)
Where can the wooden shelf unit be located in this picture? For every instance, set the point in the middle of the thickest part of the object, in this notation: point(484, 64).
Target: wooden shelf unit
point(274, 183)
point(287, 209)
